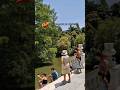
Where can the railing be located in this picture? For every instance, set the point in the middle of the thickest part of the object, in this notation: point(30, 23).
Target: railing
point(92, 79)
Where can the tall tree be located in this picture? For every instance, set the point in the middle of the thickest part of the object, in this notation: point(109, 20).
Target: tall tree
point(16, 44)
point(46, 37)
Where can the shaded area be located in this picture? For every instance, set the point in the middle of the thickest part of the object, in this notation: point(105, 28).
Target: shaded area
point(16, 45)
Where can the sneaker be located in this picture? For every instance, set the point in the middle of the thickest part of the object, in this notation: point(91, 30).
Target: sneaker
point(63, 82)
point(69, 81)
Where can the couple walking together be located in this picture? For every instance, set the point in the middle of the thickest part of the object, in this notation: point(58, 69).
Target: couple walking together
point(66, 64)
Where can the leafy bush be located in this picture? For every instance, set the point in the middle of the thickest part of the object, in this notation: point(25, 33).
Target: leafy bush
point(91, 60)
point(80, 39)
point(63, 42)
point(4, 39)
point(52, 53)
point(70, 51)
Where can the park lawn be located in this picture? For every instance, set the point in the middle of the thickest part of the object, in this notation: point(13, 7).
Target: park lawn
point(46, 69)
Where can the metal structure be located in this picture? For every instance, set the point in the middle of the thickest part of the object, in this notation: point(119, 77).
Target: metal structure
point(68, 24)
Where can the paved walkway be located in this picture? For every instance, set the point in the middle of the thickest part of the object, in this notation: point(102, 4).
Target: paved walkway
point(77, 83)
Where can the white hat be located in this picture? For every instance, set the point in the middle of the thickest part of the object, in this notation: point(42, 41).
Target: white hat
point(64, 52)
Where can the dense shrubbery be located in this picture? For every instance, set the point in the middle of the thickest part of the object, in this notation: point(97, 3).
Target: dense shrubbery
point(104, 30)
point(16, 44)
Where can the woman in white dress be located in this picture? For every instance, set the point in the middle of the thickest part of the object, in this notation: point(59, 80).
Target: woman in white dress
point(65, 60)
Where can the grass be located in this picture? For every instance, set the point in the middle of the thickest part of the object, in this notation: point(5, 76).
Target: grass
point(46, 69)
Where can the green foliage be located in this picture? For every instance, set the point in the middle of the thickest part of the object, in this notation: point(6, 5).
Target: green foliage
point(16, 44)
point(107, 31)
point(91, 59)
point(53, 36)
point(102, 29)
point(52, 53)
point(45, 38)
point(80, 39)
point(47, 41)
point(4, 39)
point(53, 50)
point(63, 42)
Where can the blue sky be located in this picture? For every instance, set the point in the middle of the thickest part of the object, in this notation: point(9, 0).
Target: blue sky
point(68, 11)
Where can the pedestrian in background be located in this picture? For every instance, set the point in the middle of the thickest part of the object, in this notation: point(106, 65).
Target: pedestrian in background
point(78, 56)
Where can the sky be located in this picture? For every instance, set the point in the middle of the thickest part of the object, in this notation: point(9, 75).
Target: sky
point(68, 11)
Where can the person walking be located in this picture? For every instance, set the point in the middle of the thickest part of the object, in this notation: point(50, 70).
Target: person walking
point(65, 66)
point(75, 63)
point(78, 56)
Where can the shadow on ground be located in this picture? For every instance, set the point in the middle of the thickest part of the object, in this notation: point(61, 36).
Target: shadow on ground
point(60, 84)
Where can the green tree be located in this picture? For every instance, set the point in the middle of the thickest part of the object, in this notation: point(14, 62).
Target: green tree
point(80, 39)
point(46, 38)
point(63, 43)
point(16, 44)
point(108, 32)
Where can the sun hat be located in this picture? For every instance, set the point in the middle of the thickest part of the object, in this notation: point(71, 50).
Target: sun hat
point(64, 52)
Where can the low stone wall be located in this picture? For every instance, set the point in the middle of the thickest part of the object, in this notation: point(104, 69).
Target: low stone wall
point(115, 77)
point(51, 86)
point(91, 79)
